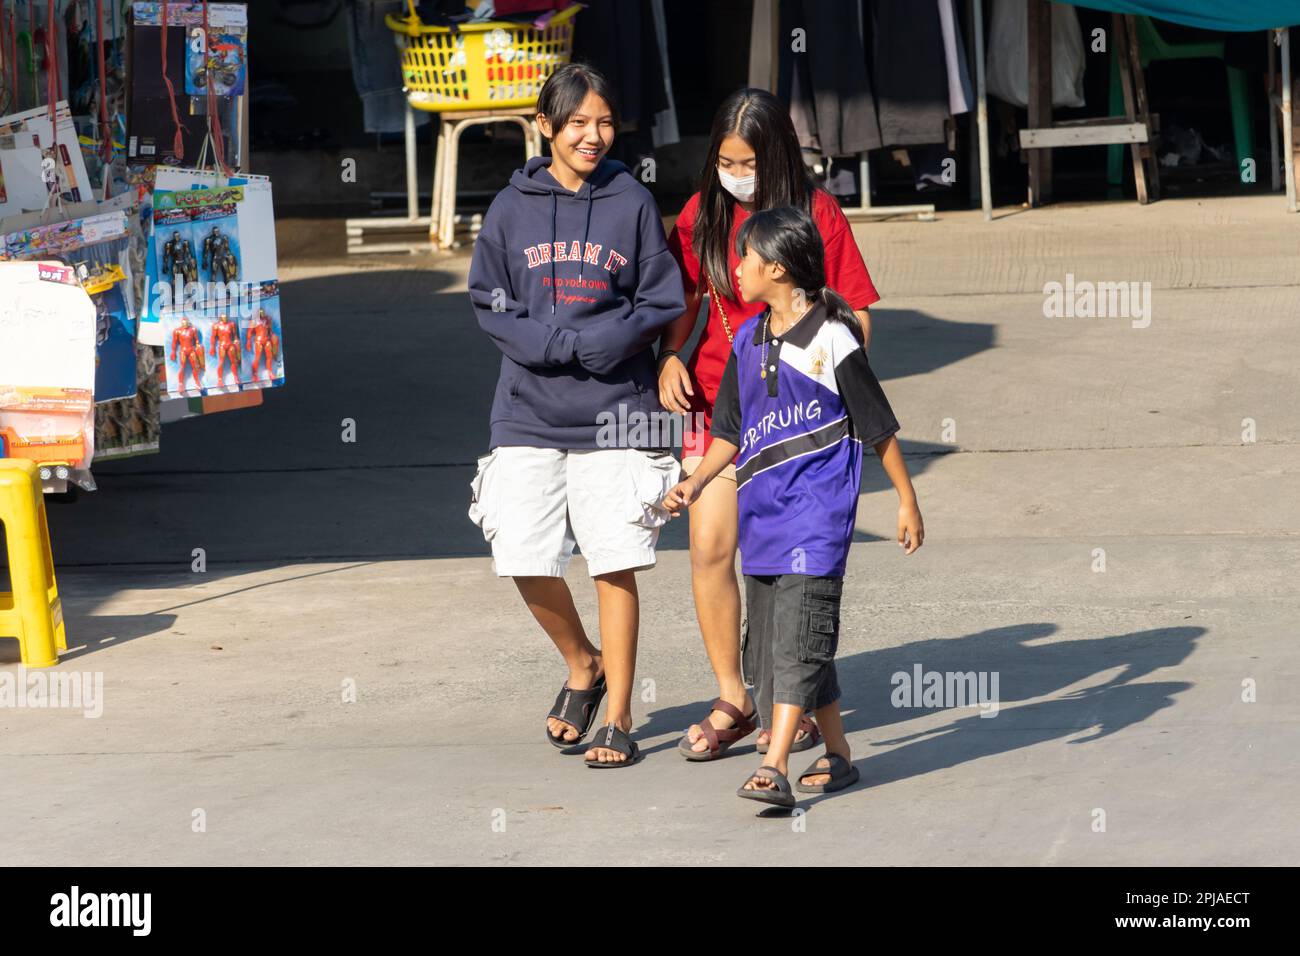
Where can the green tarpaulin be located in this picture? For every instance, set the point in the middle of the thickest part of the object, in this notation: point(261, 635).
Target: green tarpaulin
point(1238, 15)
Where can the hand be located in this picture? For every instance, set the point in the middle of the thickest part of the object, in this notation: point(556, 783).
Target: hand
point(911, 530)
point(681, 495)
point(675, 390)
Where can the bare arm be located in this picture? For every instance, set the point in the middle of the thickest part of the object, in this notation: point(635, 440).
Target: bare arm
point(675, 389)
point(911, 529)
point(679, 330)
point(684, 493)
point(864, 317)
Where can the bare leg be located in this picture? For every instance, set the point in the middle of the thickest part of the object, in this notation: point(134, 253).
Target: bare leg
point(620, 612)
point(832, 725)
point(552, 605)
point(785, 720)
point(717, 597)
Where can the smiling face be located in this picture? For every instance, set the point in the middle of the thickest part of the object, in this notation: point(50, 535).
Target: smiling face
point(577, 149)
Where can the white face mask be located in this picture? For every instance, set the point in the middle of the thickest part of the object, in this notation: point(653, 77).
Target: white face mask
point(742, 189)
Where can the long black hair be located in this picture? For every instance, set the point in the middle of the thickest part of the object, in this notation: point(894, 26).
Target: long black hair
point(565, 89)
point(789, 237)
point(762, 121)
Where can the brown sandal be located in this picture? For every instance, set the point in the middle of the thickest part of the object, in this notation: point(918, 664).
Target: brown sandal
point(718, 739)
point(812, 737)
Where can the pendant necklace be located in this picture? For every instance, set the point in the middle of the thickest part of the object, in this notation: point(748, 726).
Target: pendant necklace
point(762, 367)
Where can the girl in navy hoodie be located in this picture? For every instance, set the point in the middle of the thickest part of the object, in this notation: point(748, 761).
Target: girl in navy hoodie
point(573, 281)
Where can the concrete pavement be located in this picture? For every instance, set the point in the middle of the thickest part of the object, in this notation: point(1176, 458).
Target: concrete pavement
point(340, 571)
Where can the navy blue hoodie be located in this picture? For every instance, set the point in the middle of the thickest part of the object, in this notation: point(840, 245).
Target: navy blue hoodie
point(573, 288)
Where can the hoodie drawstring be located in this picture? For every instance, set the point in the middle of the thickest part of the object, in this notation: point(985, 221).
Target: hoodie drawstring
point(586, 232)
point(553, 215)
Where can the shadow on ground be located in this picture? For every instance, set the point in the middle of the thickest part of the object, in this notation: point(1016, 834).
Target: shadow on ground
point(1029, 666)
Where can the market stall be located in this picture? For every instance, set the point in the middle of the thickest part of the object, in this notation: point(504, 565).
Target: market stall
point(137, 253)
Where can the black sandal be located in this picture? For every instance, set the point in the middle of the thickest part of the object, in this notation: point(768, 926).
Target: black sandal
point(614, 739)
point(843, 774)
point(570, 705)
point(778, 795)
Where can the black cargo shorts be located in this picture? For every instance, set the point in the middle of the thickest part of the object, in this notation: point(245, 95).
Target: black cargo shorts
point(789, 640)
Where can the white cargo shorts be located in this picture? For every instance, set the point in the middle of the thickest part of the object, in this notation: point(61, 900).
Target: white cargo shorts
point(534, 504)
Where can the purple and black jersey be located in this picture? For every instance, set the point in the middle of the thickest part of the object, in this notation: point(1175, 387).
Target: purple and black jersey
point(800, 431)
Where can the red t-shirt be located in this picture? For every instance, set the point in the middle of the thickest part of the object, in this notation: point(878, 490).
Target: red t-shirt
point(846, 273)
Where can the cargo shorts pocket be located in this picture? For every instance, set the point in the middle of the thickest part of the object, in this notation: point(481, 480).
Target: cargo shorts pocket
point(484, 505)
point(819, 620)
point(652, 477)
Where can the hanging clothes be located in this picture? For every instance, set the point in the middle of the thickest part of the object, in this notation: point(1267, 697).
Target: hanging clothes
point(910, 74)
point(825, 81)
point(1008, 59)
point(376, 68)
point(618, 38)
point(665, 123)
point(961, 97)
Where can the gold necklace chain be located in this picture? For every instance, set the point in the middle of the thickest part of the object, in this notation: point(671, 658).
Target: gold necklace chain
point(717, 300)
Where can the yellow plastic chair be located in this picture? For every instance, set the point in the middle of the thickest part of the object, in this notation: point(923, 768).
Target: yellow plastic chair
point(477, 74)
point(32, 612)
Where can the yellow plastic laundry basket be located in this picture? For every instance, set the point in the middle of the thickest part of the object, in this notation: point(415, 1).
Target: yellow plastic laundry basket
point(481, 66)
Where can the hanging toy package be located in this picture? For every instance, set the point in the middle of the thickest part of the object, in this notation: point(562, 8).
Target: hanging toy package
point(182, 71)
point(47, 371)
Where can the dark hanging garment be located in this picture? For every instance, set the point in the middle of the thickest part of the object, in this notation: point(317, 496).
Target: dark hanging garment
point(618, 38)
point(827, 86)
point(910, 74)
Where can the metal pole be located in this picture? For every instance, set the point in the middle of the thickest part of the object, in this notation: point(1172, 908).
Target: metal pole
point(982, 111)
point(412, 190)
point(1288, 134)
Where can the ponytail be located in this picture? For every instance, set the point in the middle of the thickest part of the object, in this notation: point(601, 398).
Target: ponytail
point(840, 311)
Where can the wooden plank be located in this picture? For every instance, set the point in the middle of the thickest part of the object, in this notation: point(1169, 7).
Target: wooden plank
point(387, 224)
point(1040, 97)
point(1143, 108)
point(1100, 135)
point(1121, 49)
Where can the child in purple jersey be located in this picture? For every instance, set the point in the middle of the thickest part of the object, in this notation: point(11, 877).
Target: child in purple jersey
point(797, 403)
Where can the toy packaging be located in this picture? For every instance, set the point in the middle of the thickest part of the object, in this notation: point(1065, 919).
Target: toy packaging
point(47, 370)
point(264, 361)
point(222, 64)
point(115, 357)
point(37, 165)
point(180, 77)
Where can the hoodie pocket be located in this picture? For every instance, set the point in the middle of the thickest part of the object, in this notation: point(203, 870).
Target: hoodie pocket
point(484, 508)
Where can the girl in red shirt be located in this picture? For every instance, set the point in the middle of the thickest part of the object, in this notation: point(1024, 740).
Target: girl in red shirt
point(753, 163)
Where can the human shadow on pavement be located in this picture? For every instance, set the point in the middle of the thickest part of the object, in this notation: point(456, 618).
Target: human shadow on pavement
point(1027, 667)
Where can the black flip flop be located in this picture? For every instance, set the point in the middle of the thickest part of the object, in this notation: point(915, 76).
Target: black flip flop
point(614, 739)
point(574, 705)
point(779, 796)
point(843, 774)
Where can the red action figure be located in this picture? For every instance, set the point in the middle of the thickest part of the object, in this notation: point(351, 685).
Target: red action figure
point(267, 342)
point(190, 342)
point(225, 345)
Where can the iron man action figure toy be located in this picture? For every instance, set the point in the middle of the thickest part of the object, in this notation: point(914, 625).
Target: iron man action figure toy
point(190, 342)
point(262, 340)
point(225, 346)
point(178, 258)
